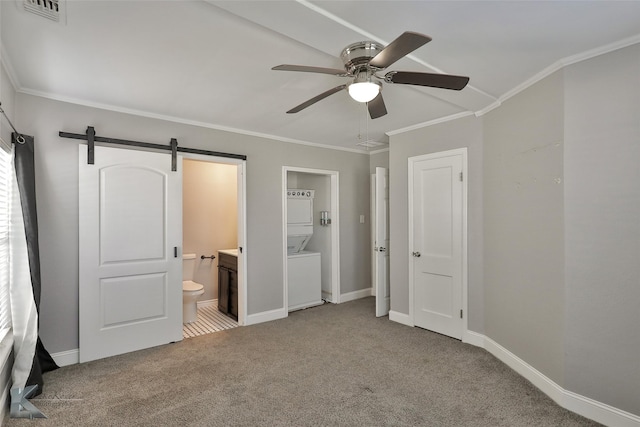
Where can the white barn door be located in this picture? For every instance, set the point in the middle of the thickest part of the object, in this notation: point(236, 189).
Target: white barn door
point(130, 262)
point(437, 229)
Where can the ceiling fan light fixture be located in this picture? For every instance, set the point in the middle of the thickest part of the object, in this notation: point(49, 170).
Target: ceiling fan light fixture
point(364, 91)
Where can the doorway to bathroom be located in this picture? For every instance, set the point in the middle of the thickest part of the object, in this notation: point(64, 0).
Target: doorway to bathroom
point(212, 240)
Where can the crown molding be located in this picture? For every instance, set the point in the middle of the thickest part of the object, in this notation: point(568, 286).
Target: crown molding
point(559, 65)
point(382, 150)
point(180, 120)
point(430, 123)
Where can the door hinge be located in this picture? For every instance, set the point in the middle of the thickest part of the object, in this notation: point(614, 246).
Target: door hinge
point(461, 314)
point(460, 176)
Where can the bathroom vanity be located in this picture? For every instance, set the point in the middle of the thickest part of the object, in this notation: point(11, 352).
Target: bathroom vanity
point(228, 282)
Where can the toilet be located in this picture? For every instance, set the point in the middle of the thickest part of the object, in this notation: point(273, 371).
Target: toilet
point(190, 289)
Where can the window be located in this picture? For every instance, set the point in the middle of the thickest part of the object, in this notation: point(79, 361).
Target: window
point(6, 173)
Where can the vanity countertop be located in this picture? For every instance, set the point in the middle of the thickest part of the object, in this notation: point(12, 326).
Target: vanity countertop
point(232, 252)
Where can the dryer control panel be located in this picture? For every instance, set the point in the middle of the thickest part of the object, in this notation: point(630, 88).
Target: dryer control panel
point(296, 193)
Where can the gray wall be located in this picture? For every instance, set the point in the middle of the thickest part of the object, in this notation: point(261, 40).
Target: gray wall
point(466, 132)
point(523, 226)
point(602, 230)
point(561, 206)
point(57, 184)
point(7, 95)
point(379, 159)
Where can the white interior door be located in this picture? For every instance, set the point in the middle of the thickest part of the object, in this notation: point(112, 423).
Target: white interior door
point(437, 221)
point(381, 244)
point(130, 263)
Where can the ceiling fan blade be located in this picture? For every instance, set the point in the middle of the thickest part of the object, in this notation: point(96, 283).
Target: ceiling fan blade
point(403, 45)
point(377, 107)
point(443, 81)
point(315, 99)
point(308, 69)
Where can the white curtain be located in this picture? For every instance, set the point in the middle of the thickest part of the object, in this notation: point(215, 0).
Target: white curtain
point(24, 315)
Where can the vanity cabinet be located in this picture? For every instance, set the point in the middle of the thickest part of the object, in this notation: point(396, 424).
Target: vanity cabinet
point(228, 284)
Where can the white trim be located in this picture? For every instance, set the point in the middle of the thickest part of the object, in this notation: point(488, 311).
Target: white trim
point(243, 257)
point(66, 358)
point(351, 296)
point(465, 278)
point(181, 120)
point(473, 338)
point(574, 402)
point(430, 123)
point(382, 150)
point(241, 166)
point(266, 316)
point(207, 303)
point(558, 65)
point(402, 318)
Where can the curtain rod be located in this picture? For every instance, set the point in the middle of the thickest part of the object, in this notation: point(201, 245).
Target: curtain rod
point(20, 138)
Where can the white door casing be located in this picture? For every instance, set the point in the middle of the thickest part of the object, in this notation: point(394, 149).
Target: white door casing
point(381, 243)
point(334, 227)
point(437, 242)
point(130, 262)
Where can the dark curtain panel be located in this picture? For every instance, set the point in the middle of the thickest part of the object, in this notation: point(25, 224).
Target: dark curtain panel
point(26, 180)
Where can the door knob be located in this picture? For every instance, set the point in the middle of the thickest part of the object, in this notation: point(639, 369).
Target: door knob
point(416, 254)
point(381, 249)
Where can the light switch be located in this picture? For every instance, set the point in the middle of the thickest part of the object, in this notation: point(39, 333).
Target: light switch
point(361, 219)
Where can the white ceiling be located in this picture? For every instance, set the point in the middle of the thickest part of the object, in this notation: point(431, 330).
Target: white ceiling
point(210, 62)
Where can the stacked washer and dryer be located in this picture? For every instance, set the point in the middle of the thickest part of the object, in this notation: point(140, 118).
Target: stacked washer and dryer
point(303, 267)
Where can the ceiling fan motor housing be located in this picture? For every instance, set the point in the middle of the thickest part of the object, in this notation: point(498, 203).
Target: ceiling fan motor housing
point(357, 55)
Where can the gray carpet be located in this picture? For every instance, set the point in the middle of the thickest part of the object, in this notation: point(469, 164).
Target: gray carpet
point(333, 365)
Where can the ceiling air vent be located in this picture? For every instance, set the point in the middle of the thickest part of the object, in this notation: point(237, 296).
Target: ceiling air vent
point(371, 144)
point(48, 8)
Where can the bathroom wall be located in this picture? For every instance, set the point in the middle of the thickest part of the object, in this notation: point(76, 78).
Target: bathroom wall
point(209, 217)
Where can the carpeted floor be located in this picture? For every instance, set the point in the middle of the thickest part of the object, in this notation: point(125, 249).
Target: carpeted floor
point(333, 365)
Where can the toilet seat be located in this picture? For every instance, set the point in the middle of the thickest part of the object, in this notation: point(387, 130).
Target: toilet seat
point(191, 286)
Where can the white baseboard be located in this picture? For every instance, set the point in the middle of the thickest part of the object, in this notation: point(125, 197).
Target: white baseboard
point(327, 296)
point(208, 303)
point(395, 316)
point(581, 405)
point(587, 407)
point(66, 358)
point(473, 338)
point(350, 296)
point(266, 316)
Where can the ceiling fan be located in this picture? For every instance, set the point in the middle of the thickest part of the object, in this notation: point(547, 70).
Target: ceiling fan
point(363, 60)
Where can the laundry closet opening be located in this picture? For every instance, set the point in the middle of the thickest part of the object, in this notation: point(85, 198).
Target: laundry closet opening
point(311, 230)
point(210, 241)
